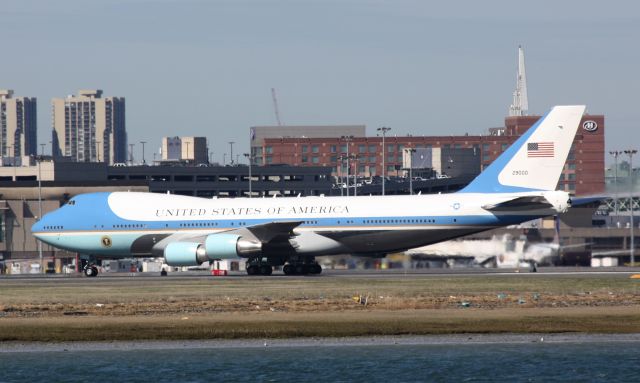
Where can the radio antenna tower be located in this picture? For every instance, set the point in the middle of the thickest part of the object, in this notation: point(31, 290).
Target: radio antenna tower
point(275, 106)
point(520, 105)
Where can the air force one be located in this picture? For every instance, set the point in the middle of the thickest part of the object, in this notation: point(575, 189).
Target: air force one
point(518, 186)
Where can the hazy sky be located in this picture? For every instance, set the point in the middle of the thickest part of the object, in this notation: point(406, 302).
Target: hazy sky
point(189, 67)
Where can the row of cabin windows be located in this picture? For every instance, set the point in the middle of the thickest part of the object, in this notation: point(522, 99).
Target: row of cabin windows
point(401, 221)
point(53, 227)
point(209, 224)
point(199, 224)
point(131, 226)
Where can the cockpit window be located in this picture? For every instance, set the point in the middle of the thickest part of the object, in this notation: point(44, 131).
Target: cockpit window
point(72, 202)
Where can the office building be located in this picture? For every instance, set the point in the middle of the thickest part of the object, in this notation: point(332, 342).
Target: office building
point(261, 133)
point(89, 128)
point(18, 127)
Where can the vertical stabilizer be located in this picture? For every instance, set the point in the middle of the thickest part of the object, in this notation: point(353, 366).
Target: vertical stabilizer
point(536, 159)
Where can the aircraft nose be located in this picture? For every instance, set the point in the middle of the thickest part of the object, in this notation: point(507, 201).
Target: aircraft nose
point(37, 229)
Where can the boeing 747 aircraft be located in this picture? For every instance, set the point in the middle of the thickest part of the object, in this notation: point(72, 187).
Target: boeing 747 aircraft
point(518, 186)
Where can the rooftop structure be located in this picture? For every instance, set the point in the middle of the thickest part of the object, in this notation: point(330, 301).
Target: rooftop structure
point(187, 149)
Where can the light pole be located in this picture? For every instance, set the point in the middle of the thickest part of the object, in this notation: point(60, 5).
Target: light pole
point(143, 160)
point(615, 154)
point(347, 139)
point(410, 151)
point(42, 150)
point(630, 153)
point(340, 175)
point(231, 152)
point(187, 156)
point(249, 158)
point(384, 131)
point(355, 174)
point(131, 154)
point(40, 209)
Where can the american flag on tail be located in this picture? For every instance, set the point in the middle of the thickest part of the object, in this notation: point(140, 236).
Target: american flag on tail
point(540, 149)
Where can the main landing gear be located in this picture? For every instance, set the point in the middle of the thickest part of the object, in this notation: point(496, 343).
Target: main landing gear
point(90, 270)
point(302, 268)
point(261, 267)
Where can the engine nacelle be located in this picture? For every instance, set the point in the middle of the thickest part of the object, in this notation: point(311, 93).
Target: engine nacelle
point(229, 246)
point(185, 254)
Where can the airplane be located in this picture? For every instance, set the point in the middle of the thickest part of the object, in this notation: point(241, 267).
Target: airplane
point(500, 252)
point(507, 251)
point(518, 186)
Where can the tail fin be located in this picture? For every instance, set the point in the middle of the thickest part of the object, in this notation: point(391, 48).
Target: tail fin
point(536, 159)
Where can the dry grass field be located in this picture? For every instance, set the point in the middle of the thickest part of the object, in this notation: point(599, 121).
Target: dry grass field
point(137, 308)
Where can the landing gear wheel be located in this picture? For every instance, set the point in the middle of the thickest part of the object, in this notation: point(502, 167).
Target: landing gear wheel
point(253, 270)
point(301, 269)
point(91, 271)
point(315, 269)
point(288, 270)
point(266, 270)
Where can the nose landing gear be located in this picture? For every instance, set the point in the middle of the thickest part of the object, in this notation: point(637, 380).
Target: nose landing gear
point(90, 270)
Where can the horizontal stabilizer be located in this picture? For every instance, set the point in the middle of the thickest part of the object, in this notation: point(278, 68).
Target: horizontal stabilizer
point(587, 201)
point(520, 203)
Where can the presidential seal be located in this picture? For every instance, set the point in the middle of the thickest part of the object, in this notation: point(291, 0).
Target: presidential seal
point(106, 241)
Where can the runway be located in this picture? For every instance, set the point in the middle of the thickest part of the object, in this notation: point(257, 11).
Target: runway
point(356, 273)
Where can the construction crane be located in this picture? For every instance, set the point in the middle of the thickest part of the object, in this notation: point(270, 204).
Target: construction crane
point(275, 106)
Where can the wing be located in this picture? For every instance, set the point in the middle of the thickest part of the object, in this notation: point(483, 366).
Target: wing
point(266, 233)
point(273, 231)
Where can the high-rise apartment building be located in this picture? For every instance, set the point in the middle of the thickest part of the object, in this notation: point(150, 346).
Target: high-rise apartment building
point(89, 128)
point(18, 127)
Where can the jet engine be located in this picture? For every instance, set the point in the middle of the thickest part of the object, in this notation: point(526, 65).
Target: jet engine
point(185, 254)
point(226, 246)
point(215, 246)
